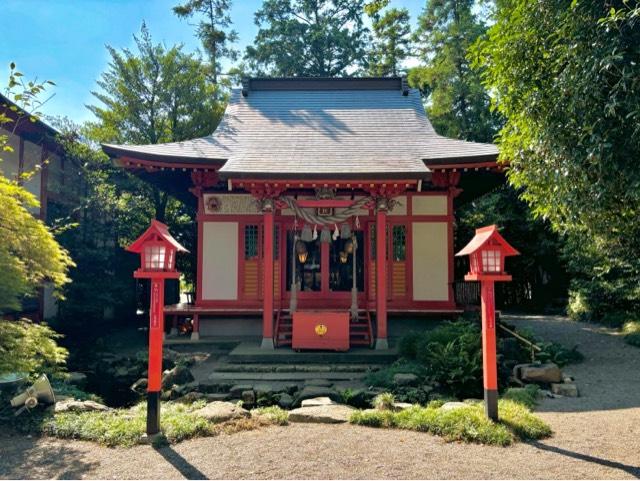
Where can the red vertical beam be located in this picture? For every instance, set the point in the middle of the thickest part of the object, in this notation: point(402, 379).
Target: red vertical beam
point(381, 278)
point(450, 242)
point(267, 314)
point(156, 328)
point(489, 364)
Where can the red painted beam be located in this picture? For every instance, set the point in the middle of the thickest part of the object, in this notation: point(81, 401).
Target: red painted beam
point(381, 279)
point(267, 314)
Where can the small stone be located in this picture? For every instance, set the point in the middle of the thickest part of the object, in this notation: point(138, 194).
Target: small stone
point(79, 406)
point(402, 379)
point(318, 401)
point(450, 406)
point(326, 414)
point(544, 373)
point(248, 398)
point(237, 390)
point(190, 398)
point(140, 386)
point(311, 392)
point(401, 406)
point(285, 401)
point(567, 389)
point(177, 375)
point(220, 396)
point(220, 411)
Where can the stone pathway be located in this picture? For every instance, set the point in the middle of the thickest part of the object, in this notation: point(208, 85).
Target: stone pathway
point(596, 436)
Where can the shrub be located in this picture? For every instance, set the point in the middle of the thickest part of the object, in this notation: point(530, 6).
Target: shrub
point(631, 331)
point(384, 401)
point(528, 395)
point(30, 348)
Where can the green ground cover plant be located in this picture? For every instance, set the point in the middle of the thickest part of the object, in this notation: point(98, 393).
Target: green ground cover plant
point(465, 423)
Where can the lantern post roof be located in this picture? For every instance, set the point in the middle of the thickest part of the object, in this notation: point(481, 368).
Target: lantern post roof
point(482, 237)
point(160, 230)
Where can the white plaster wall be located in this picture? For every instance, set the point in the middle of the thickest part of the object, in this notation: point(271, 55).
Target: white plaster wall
point(401, 207)
point(430, 263)
point(429, 205)
point(220, 261)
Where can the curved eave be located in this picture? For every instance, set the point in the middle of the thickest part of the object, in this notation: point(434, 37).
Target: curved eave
point(326, 175)
point(159, 160)
point(487, 160)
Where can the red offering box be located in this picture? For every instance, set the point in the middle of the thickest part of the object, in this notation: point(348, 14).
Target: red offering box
point(321, 330)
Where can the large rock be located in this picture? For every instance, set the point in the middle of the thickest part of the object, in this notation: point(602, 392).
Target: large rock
point(326, 414)
point(285, 401)
point(452, 405)
point(178, 375)
point(567, 389)
point(542, 373)
point(79, 406)
point(318, 401)
point(237, 389)
point(402, 379)
point(220, 411)
point(249, 398)
point(310, 392)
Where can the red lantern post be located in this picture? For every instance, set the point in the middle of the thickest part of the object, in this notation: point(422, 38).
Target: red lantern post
point(487, 251)
point(157, 249)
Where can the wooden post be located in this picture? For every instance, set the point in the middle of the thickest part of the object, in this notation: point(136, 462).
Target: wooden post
point(489, 363)
point(381, 274)
point(267, 314)
point(156, 330)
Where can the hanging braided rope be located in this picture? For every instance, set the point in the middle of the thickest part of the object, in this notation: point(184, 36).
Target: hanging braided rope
point(311, 217)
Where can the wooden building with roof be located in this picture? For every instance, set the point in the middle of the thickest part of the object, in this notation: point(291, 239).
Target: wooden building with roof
point(317, 195)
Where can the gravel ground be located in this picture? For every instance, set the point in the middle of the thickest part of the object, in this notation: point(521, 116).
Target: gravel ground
point(596, 436)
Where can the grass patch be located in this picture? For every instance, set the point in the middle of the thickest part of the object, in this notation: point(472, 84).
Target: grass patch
point(466, 423)
point(125, 427)
point(631, 331)
point(527, 395)
point(272, 414)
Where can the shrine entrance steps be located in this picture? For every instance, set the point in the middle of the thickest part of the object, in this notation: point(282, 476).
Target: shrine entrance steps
point(360, 330)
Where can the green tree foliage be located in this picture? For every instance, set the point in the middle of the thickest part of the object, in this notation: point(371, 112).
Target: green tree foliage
point(313, 38)
point(30, 348)
point(457, 103)
point(391, 42)
point(539, 273)
point(29, 253)
point(153, 96)
point(566, 76)
point(213, 29)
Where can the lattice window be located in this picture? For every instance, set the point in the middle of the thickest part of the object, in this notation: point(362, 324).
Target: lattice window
point(491, 261)
point(250, 241)
point(399, 242)
point(372, 241)
point(276, 241)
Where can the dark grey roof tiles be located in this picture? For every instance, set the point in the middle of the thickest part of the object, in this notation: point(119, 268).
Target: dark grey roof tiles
point(320, 133)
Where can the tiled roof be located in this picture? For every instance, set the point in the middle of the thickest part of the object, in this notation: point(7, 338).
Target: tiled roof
point(323, 128)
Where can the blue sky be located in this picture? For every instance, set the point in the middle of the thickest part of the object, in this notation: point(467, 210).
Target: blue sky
point(64, 40)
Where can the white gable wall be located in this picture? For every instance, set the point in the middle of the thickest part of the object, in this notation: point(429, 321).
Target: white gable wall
point(430, 262)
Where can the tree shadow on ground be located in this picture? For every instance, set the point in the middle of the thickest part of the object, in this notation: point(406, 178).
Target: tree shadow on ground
point(183, 466)
point(23, 457)
point(632, 470)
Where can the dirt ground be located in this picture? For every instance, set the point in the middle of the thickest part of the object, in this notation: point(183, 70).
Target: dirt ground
point(595, 436)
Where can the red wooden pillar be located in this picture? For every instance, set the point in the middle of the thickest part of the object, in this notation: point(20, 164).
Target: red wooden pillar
point(489, 362)
point(156, 331)
point(267, 310)
point(381, 274)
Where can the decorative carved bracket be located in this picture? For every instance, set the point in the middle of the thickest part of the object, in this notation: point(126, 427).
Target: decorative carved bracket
point(202, 180)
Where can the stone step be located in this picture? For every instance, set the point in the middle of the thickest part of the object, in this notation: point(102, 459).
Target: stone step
point(257, 377)
point(253, 354)
point(324, 368)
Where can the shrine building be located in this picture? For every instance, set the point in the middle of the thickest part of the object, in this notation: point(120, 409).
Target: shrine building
point(324, 207)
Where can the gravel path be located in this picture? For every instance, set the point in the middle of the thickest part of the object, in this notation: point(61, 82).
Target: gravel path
point(596, 436)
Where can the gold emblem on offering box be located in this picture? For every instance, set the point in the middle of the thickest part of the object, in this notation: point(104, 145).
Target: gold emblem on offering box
point(321, 330)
